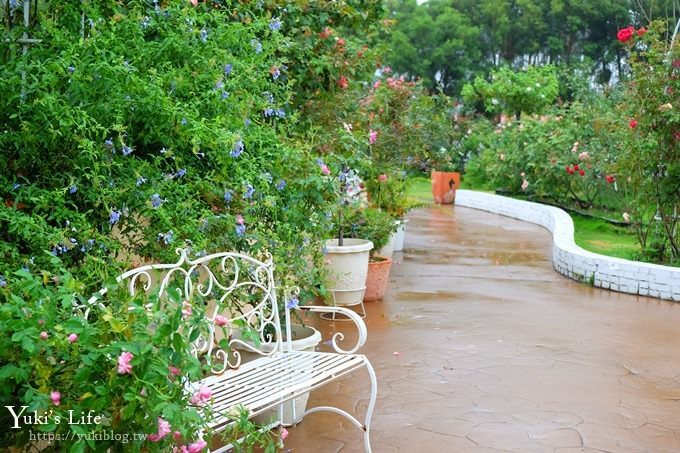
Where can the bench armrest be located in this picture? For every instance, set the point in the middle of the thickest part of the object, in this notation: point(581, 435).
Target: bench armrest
point(339, 336)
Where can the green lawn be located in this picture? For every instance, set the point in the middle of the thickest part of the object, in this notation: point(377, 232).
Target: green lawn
point(594, 235)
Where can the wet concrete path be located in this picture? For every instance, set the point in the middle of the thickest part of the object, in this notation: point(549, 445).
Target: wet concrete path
point(480, 346)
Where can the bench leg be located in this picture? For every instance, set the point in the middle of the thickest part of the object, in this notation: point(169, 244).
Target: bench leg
point(371, 406)
point(366, 427)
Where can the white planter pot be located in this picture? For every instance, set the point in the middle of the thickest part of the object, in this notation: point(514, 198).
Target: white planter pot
point(305, 338)
point(401, 234)
point(348, 265)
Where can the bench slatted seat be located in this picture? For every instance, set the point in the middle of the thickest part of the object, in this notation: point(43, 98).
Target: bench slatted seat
point(239, 291)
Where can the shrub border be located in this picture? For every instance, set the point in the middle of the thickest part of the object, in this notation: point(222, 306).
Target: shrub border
point(570, 260)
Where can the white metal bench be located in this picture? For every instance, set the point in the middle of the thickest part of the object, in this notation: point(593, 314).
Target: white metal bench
point(241, 289)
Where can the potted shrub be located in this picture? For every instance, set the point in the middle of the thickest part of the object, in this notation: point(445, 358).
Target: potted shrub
point(388, 193)
point(378, 227)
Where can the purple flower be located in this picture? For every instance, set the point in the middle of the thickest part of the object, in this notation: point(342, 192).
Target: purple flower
point(141, 180)
point(276, 73)
point(156, 201)
point(3, 282)
point(257, 45)
point(250, 191)
point(247, 122)
point(204, 35)
point(280, 113)
point(167, 238)
point(114, 217)
point(268, 96)
point(71, 69)
point(238, 148)
point(227, 68)
point(146, 21)
point(275, 24)
point(225, 95)
point(268, 112)
point(108, 143)
point(183, 121)
point(181, 172)
point(293, 303)
point(73, 189)
point(15, 186)
point(228, 195)
point(281, 185)
point(268, 177)
point(126, 150)
point(219, 85)
point(73, 240)
point(240, 230)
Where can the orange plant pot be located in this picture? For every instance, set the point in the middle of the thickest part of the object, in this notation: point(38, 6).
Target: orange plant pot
point(376, 281)
point(444, 185)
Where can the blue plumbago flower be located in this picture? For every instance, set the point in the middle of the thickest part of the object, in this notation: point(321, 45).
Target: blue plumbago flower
point(228, 195)
point(15, 186)
point(163, 150)
point(247, 122)
point(268, 176)
point(71, 69)
point(3, 282)
point(201, 253)
point(238, 148)
point(225, 94)
point(146, 21)
point(183, 121)
point(181, 172)
point(13, 4)
point(73, 189)
point(227, 68)
point(257, 45)
point(276, 73)
point(126, 150)
point(141, 180)
point(268, 96)
point(90, 242)
point(275, 24)
point(342, 177)
point(281, 185)
point(250, 191)
point(204, 35)
point(90, 22)
point(73, 240)
point(156, 201)
point(114, 217)
point(67, 222)
point(280, 113)
point(240, 230)
point(293, 303)
point(269, 112)
point(219, 85)
point(108, 142)
point(319, 162)
point(167, 238)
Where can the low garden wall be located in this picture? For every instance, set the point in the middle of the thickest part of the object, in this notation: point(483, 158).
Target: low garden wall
point(574, 262)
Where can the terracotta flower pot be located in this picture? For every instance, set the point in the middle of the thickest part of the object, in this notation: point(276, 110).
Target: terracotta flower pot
point(378, 276)
point(444, 185)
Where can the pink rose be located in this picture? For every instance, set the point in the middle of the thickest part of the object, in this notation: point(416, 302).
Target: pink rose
point(221, 320)
point(372, 136)
point(44, 335)
point(163, 430)
point(72, 338)
point(55, 397)
point(124, 366)
point(200, 397)
point(325, 170)
point(625, 34)
point(633, 124)
point(174, 370)
point(284, 434)
point(197, 447)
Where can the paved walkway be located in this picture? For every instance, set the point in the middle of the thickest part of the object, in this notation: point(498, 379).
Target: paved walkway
point(480, 346)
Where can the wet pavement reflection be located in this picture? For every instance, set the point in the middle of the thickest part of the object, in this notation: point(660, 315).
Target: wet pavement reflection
point(480, 346)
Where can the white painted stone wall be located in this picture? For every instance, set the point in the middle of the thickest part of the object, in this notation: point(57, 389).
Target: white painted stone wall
point(571, 260)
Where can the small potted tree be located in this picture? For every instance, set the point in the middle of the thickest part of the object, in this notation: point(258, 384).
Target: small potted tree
point(347, 258)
